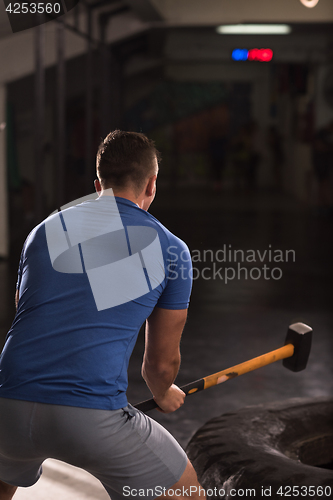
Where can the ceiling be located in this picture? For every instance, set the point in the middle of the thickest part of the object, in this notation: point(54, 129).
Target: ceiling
point(5, 28)
point(144, 10)
point(197, 13)
point(212, 12)
point(143, 25)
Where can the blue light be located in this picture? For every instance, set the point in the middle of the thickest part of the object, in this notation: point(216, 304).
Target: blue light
point(239, 54)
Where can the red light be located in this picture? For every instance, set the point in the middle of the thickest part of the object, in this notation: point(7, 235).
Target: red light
point(266, 55)
point(262, 55)
point(253, 55)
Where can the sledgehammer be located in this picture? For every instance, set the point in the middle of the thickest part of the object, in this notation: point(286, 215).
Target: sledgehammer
point(295, 354)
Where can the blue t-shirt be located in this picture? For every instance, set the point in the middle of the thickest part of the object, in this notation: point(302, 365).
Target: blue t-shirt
point(88, 278)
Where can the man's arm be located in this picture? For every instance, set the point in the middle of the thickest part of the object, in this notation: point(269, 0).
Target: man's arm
point(161, 359)
point(16, 298)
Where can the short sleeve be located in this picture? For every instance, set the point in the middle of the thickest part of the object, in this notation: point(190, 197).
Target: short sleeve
point(19, 272)
point(176, 294)
point(20, 267)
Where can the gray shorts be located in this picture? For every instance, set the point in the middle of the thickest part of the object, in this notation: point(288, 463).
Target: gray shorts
point(125, 449)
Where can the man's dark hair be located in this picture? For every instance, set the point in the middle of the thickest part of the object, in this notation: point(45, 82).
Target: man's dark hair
point(125, 158)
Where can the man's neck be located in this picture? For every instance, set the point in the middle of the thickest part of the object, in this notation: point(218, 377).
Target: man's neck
point(127, 194)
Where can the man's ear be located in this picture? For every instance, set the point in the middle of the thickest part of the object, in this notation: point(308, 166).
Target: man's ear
point(151, 186)
point(98, 186)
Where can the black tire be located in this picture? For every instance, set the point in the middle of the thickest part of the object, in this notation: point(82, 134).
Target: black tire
point(280, 449)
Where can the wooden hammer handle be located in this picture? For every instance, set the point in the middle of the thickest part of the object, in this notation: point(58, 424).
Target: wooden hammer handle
point(217, 378)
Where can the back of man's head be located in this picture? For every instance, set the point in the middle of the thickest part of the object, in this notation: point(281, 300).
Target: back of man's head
point(126, 160)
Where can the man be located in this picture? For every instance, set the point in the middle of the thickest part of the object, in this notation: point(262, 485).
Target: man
point(89, 276)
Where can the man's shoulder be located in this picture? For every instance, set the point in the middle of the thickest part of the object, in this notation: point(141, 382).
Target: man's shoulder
point(37, 232)
point(139, 217)
point(171, 238)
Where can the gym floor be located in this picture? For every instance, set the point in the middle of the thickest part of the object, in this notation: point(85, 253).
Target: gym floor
point(228, 322)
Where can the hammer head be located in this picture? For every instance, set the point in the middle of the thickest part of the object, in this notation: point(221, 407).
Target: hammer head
point(300, 335)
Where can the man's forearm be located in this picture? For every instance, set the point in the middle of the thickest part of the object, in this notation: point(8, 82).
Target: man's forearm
point(160, 377)
point(161, 359)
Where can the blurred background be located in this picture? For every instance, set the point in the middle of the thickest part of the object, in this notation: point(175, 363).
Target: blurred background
point(239, 99)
